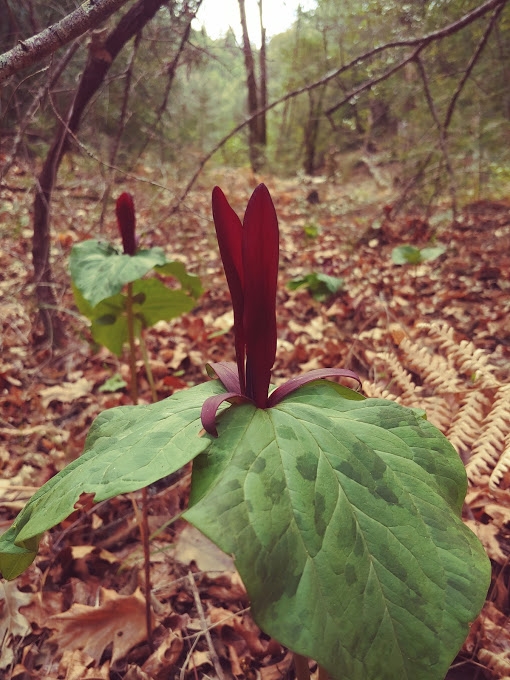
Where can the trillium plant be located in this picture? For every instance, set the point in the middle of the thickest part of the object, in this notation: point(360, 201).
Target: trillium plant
point(342, 513)
point(110, 291)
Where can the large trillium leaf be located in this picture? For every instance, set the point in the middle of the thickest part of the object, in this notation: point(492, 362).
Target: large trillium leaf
point(127, 448)
point(343, 515)
point(152, 302)
point(99, 271)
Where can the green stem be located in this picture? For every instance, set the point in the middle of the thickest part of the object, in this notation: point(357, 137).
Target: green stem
point(131, 339)
point(148, 369)
point(301, 667)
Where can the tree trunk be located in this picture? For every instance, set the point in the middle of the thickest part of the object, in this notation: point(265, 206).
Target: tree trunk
point(311, 132)
point(255, 148)
point(99, 62)
point(263, 80)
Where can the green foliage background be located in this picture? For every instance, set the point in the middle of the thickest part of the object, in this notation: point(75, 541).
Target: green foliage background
point(208, 94)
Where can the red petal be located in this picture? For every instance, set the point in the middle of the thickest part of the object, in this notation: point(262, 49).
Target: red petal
point(227, 372)
point(210, 408)
point(125, 211)
point(229, 233)
point(294, 383)
point(260, 263)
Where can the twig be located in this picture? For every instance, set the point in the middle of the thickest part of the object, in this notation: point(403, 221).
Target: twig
point(443, 142)
point(419, 43)
point(27, 52)
point(32, 109)
point(205, 628)
point(470, 66)
point(120, 126)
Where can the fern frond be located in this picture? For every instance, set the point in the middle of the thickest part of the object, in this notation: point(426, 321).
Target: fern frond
point(377, 391)
point(433, 368)
point(502, 466)
point(402, 379)
point(490, 445)
point(466, 426)
point(439, 411)
point(468, 359)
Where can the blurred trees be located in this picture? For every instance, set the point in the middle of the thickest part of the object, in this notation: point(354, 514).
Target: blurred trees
point(421, 87)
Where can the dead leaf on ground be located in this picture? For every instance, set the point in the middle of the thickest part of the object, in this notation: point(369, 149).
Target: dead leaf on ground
point(12, 622)
point(118, 619)
point(67, 392)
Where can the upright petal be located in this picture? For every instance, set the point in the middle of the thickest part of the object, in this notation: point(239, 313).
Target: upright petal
point(125, 211)
point(229, 233)
point(260, 263)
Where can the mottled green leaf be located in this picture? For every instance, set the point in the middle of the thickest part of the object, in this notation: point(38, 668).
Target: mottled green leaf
point(320, 286)
point(343, 516)
point(411, 255)
point(157, 302)
point(152, 302)
point(99, 271)
point(189, 282)
point(127, 448)
point(406, 255)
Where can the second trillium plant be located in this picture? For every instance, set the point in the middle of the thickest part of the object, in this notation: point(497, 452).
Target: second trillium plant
point(343, 513)
point(111, 291)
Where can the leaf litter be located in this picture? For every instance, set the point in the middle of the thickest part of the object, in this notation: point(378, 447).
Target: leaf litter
point(78, 611)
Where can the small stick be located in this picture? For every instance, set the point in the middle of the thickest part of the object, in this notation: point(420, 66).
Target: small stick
point(301, 667)
point(205, 628)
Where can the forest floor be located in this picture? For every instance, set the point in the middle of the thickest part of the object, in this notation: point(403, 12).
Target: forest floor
point(402, 328)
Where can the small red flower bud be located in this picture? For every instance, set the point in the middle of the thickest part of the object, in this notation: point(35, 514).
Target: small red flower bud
point(125, 211)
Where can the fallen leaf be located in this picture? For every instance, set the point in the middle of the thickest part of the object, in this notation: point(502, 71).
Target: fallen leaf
point(12, 622)
point(67, 392)
point(119, 619)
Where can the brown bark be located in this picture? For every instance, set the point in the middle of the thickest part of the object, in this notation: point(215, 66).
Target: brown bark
point(97, 66)
point(30, 51)
point(255, 150)
point(263, 79)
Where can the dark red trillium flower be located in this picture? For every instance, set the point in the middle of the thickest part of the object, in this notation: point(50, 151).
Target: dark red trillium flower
point(249, 252)
point(125, 211)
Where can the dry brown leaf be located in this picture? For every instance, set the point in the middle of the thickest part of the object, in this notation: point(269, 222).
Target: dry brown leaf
point(78, 665)
point(12, 622)
point(119, 619)
point(158, 665)
point(67, 392)
point(487, 534)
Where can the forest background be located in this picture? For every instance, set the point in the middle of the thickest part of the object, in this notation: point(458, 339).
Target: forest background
point(375, 125)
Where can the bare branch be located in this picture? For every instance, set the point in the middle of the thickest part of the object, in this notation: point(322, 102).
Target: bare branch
point(472, 62)
point(443, 142)
point(27, 52)
point(418, 43)
point(34, 106)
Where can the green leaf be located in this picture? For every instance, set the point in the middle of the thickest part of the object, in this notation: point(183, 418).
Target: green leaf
point(109, 321)
point(157, 302)
point(127, 448)
point(189, 282)
point(320, 286)
point(344, 519)
point(115, 383)
point(432, 253)
point(411, 255)
point(152, 302)
point(99, 271)
point(406, 255)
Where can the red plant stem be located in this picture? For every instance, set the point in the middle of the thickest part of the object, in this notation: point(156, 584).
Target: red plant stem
point(144, 530)
point(301, 667)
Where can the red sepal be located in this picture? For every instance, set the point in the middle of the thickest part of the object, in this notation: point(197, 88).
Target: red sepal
point(125, 211)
